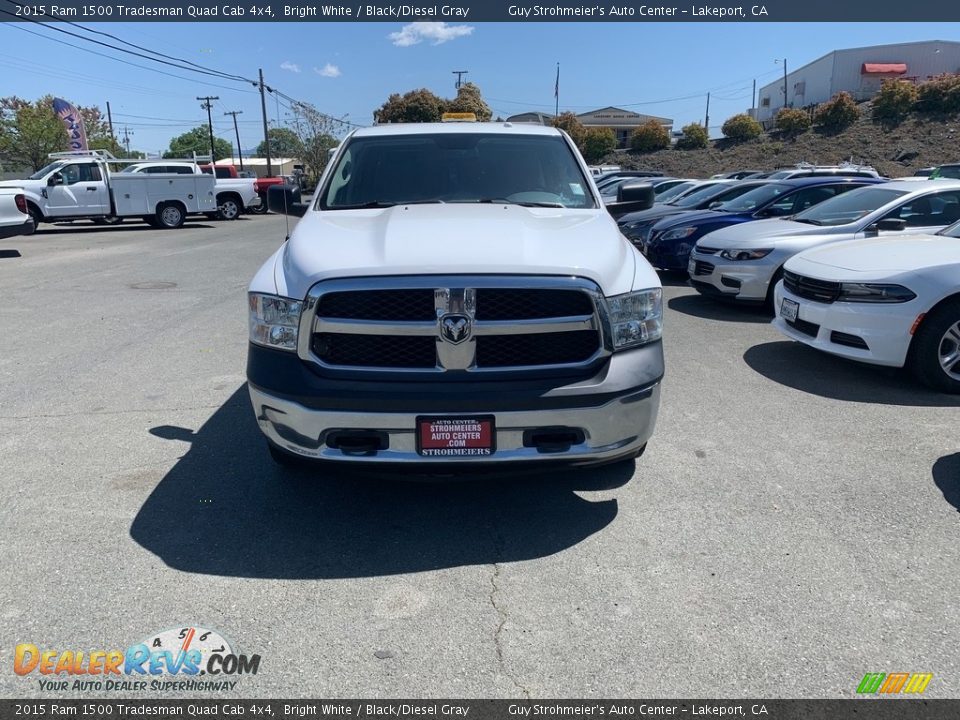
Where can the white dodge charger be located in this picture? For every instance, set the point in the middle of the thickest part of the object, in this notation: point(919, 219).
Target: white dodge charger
point(892, 300)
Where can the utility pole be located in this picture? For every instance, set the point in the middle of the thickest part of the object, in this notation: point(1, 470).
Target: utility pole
point(753, 99)
point(459, 74)
point(706, 117)
point(207, 105)
point(266, 133)
point(109, 119)
point(785, 82)
point(126, 138)
point(237, 132)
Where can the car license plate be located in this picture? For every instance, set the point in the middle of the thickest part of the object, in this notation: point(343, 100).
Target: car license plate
point(692, 266)
point(789, 309)
point(456, 436)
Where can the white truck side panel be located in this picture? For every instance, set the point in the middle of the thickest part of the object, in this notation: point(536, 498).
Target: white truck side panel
point(140, 194)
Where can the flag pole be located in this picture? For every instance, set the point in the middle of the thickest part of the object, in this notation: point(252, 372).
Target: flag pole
point(556, 92)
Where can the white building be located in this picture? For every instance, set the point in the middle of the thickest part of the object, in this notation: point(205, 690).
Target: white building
point(858, 71)
point(622, 122)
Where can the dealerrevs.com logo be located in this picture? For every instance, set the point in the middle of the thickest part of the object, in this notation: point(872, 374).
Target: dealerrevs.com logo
point(187, 659)
point(894, 683)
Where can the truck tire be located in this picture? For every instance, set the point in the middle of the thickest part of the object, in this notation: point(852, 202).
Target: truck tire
point(170, 215)
point(935, 354)
point(229, 207)
point(262, 208)
point(34, 212)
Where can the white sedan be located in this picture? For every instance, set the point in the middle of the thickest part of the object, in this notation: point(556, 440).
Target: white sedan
point(14, 218)
point(890, 300)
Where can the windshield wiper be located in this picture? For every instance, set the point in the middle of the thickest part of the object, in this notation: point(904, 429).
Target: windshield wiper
point(491, 201)
point(373, 204)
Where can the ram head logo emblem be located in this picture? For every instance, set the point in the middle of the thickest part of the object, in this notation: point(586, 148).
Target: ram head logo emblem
point(455, 328)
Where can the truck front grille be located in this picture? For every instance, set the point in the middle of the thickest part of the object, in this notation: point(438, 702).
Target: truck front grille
point(438, 324)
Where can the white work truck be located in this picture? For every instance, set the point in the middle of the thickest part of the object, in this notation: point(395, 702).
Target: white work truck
point(81, 186)
point(234, 194)
point(455, 294)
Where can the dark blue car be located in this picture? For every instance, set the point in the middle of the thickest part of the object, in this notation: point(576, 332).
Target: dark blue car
point(671, 239)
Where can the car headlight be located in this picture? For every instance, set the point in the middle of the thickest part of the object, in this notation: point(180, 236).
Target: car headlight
point(636, 318)
point(874, 292)
point(745, 254)
point(274, 321)
point(678, 233)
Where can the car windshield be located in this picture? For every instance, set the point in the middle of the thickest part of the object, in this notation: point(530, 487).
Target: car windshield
point(675, 191)
point(754, 199)
point(848, 207)
point(951, 230)
point(700, 195)
point(454, 167)
point(735, 191)
point(39, 174)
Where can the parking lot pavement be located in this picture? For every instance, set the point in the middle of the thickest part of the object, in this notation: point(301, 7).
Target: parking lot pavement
point(793, 525)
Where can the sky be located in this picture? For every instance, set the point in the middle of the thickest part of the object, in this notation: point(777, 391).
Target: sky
point(349, 69)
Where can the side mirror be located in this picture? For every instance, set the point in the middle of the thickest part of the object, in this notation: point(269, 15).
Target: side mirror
point(632, 197)
point(55, 179)
point(285, 200)
point(773, 212)
point(888, 224)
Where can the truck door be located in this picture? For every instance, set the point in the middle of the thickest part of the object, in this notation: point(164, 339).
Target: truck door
point(83, 192)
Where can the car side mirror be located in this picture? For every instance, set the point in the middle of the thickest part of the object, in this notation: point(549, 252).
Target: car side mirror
point(285, 200)
point(773, 212)
point(55, 179)
point(888, 224)
point(632, 197)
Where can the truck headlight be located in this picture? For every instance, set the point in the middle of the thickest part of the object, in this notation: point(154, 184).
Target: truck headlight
point(678, 233)
point(636, 318)
point(274, 321)
point(874, 292)
point(738, 255)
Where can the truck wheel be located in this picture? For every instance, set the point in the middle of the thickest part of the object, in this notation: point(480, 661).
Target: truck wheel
point(935, 354)
point(262, 208)
point(34, 212)
point(228, 207)
point(170, 215)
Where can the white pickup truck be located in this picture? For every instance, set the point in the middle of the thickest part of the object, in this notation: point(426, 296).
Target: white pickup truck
point(455, 294)
point(81, 186)
point(14, 218)
point(234, 194)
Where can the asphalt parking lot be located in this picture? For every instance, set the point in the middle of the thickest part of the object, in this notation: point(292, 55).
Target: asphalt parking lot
point(793, 524)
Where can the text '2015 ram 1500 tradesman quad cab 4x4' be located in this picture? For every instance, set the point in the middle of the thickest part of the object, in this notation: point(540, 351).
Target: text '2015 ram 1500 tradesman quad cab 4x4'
point(456, 294)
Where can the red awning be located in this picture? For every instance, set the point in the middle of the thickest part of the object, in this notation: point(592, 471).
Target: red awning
point(883, 69)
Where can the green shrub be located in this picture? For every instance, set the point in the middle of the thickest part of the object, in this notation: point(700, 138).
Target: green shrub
point(838, 112)
point(649, 137)
point(895, 99)
point(694, 136)
point(598, 142)
point(792, 121)
point(741, 127)
point(941, 94)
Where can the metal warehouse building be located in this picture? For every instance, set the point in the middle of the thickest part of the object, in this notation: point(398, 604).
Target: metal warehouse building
point(858, 71)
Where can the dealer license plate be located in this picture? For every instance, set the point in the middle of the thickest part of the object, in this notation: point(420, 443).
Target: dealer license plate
point(692, 266)
point(456, 436)
point(789, 309)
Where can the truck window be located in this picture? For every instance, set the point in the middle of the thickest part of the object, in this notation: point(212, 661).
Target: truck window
point(223, 173)
point(456, 168)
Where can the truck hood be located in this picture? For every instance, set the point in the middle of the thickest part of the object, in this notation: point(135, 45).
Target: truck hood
point(747, 234)
point(460, 239)
point(877, 256)
point(20, 184)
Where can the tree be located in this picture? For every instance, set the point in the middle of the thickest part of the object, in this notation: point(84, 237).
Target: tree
point(571, 125)
point(792, 121)
point(695, 136)
point(284, 143)
point(197, 141)
point(838, 112)
point(415, 106)
point(895, 99)
point(318, 133)
point(470, 100)
point(598, 142)
point(29, 132)
point(649, 137)
point(741, 127)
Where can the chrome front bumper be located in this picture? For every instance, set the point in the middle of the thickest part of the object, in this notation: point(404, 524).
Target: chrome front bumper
point(618, 428)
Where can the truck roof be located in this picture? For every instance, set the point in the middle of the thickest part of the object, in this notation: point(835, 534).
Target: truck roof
point(500, 128)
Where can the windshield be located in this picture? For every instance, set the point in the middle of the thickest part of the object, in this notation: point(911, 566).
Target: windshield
point(380, 171)
point(951, 230)
point(676, 191)
point(700, 195)
point(849, 206)
point(753, 199)
point(38, 175)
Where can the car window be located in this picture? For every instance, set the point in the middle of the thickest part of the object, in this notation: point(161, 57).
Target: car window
point(700, 195)
point(90, 173)
point(754, 199)
point(942, 208)
point(71, 174)
point(675, 191)
point(802, 199)
point(456, 168)
point(849, 206)
point(946, 171)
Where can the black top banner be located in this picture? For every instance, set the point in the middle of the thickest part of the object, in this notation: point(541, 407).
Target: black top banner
point(641, 11)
